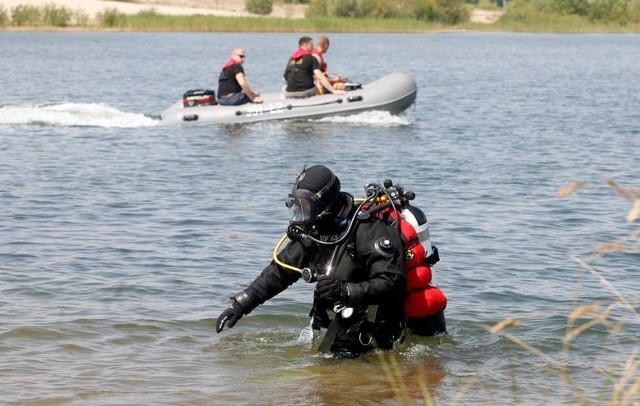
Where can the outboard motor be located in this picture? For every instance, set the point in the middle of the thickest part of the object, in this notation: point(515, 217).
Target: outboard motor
point(199, 97)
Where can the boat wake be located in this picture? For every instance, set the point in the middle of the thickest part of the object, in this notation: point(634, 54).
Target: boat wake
point(102, 115)
point(373, 118)
point(73, 115)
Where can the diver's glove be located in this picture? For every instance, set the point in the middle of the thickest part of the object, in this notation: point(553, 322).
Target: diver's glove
point(330, 291)
point(229, 317)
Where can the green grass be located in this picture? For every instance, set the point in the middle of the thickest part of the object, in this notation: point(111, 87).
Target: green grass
point(4, 17)
point(48, 15)
point(534, 22)
point(519, 20)
point(152, 21)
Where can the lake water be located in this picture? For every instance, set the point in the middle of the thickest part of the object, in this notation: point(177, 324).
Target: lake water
point(121, 240)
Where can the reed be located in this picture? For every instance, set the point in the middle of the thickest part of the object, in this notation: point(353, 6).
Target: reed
point(621, 382)
point(531, 20)
point(111, 18)
point(4, 17)
point(55, 16)
point(620, 379)
point(150, 20)
point(25, 15)
point(262, 7)
point(80, 18)
point(48, 15)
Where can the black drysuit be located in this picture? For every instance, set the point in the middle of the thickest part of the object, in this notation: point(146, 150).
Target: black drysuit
point(369, 261)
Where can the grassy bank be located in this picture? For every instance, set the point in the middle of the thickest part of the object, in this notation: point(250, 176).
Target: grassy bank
point(151, 21)
point(54, 17)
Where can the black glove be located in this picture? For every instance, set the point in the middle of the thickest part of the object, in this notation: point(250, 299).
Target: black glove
point(231, 315)
point(329, 291)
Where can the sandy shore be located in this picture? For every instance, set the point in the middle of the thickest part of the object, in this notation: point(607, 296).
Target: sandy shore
point(485, 16)
point(222, 8)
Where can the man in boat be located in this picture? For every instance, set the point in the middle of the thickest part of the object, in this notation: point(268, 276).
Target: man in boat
point(322, 47)
point(302, 72)
point(233, 87)
point(356, 260)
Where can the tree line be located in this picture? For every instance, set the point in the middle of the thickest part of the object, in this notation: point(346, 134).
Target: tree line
point(458, 11)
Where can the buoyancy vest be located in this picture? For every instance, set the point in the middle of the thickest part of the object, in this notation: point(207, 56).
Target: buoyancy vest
point(229, 64)
point(299, 71)
point(299, 53)
point(227, 82)
point(423, 298)
point(320, 55)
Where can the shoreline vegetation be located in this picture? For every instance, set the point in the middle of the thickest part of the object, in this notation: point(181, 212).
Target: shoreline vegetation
point(615, 319)
point(337, 16)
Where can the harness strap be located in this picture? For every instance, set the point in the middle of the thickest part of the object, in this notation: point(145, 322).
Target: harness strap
point(330, 336)
point(335, 327)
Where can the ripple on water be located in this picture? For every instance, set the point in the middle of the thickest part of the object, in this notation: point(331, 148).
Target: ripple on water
point(122, 241)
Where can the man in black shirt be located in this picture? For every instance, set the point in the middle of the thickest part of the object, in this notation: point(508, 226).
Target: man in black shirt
point(302, 70)
point(233, 87)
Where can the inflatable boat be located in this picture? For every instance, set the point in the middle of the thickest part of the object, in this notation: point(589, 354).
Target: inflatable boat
point(394, 93)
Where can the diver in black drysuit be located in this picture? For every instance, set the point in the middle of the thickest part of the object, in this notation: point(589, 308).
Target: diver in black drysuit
point(358, 263)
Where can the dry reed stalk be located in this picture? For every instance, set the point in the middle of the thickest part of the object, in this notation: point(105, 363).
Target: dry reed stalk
point(570, 189)
point(622, 300)
point(501, 325)
point(394, 376)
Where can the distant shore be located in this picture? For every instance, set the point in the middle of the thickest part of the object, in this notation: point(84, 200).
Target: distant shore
point(231, 16)
point(220, 8)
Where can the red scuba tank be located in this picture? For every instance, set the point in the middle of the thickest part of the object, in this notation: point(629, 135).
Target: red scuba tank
point(422, 299)
point(418, 277)
point(424, 302)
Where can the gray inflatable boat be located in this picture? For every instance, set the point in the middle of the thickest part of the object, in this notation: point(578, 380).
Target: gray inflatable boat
point(394, 93)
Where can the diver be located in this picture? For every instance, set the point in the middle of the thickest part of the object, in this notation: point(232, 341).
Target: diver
point(356, 261)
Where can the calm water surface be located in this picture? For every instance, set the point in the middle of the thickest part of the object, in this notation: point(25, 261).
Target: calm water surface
point(121, 240)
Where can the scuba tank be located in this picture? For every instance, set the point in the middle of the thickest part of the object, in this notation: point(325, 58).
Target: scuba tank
point(424, 302)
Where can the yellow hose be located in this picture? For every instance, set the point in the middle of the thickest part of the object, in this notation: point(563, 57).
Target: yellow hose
point(276, 249)
point(280, 263)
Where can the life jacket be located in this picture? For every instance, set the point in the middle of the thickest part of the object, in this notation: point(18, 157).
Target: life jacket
point(294, 62)
point(230, 63)
point(423, 299)
point(299, 53)
point(320, 55)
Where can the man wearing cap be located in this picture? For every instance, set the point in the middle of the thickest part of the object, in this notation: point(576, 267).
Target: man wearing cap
point(355, 259)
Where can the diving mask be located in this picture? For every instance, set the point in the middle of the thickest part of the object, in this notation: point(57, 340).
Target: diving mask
point(316, 189)
point(302, 207)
